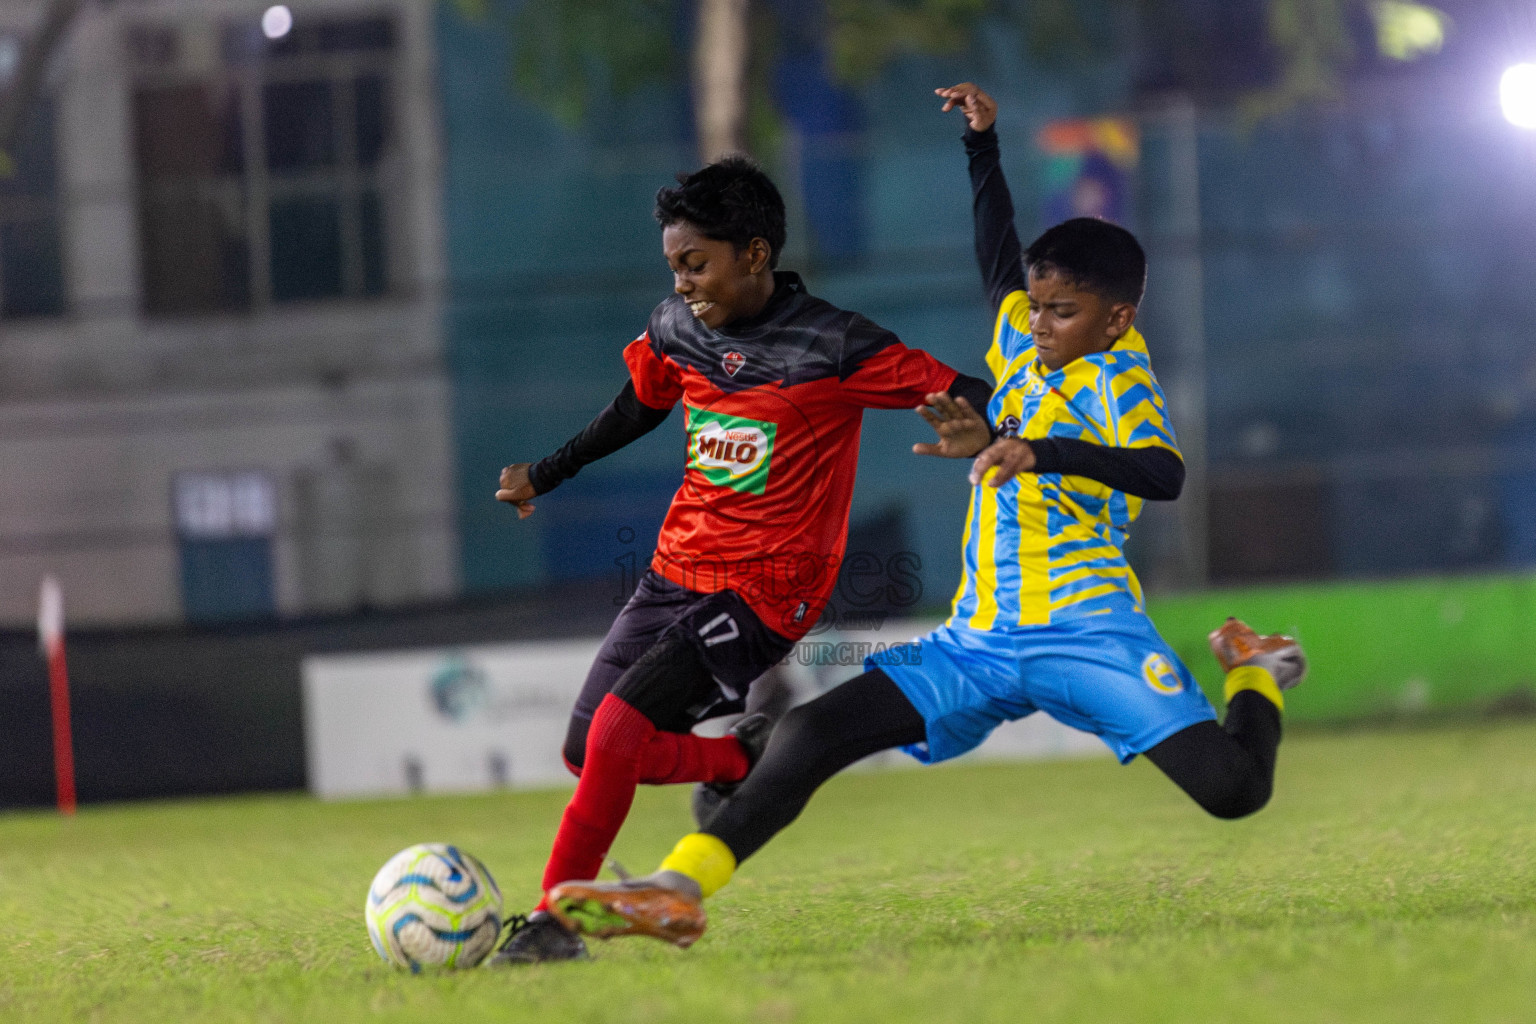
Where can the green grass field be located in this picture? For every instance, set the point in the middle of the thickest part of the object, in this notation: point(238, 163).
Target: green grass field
point(1392, 879)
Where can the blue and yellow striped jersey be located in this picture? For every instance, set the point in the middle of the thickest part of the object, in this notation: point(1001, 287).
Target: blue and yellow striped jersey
point(1046, 547)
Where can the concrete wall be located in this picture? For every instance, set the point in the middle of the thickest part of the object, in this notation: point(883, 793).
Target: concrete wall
point(339, 400)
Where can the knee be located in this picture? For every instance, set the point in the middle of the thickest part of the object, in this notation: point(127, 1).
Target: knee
point(617, 728)
point(573, 760)
point(1238, 801)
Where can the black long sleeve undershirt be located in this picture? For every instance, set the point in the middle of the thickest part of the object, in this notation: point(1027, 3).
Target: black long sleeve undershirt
point(976, 392)
point(1154, 473)
point(626, 419)
point(998, 251)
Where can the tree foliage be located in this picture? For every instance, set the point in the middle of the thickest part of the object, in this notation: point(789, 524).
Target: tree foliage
point(567, 51)
point(1313, 39)
point(864, 35)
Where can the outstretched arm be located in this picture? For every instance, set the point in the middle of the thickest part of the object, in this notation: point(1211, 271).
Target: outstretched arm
point(626, 419)
point(1152, 472)
point(998, 251)
point(963, 433)
point(879, 372)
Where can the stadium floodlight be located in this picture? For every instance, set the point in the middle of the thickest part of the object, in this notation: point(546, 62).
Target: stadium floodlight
point(1517, 93)
point(277, 22)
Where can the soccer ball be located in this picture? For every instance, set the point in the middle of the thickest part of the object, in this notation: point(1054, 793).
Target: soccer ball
point(433, 905)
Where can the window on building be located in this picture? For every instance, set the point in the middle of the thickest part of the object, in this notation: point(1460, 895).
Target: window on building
point(31, 255)
point(225, 522)
point(263, 181)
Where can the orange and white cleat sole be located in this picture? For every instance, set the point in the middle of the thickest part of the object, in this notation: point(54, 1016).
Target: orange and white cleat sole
point(608, 909)
point(1235, 645)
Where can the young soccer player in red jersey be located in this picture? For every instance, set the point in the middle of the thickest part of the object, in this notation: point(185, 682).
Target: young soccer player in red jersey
point(773, 383)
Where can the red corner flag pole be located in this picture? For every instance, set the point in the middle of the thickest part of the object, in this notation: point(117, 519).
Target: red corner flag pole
point(50, 637)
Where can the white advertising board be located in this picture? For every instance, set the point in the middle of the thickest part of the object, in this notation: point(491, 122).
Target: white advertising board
point(494, 716)
point(441, 720)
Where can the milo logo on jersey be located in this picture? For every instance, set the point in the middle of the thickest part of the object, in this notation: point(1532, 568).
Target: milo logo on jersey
point(731, 451)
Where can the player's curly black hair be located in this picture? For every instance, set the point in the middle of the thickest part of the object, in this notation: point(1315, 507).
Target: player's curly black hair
point(1093, 254)
point(731, 200)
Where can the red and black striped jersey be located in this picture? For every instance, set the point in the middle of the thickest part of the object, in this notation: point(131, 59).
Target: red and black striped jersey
point(773, 407)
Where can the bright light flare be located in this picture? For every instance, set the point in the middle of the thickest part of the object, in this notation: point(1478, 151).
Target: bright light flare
point(1517, 93)
point(277, 22)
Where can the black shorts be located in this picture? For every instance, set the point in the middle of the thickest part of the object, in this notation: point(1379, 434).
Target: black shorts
point(729, 638)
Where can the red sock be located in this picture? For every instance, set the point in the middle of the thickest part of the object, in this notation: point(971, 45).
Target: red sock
point(672, 757)
point(604, 793)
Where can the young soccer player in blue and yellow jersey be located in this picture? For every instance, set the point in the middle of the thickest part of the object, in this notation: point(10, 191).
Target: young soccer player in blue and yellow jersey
point(1049, 616)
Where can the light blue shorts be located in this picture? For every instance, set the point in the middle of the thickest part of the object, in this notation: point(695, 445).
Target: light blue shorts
point(1107, 674)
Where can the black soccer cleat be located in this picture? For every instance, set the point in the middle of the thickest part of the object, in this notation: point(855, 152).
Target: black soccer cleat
point(752, 733)
point(536, 939)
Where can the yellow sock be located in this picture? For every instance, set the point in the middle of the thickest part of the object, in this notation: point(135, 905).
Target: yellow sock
point(1251, 677)
point(703, 858)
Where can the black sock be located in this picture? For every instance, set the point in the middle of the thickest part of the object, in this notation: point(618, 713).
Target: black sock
point(812, 743)
point(1228, 769)
point(1254, 722)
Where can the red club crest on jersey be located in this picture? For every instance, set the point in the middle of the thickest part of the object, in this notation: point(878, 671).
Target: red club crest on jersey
point(732, 362)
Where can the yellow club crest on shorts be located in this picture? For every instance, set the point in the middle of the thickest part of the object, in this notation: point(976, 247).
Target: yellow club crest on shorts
point(1160, 675)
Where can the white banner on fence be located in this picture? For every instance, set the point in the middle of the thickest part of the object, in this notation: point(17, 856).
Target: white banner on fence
point(494, 716)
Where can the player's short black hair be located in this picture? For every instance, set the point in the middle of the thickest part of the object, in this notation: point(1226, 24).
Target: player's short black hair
point(1094, 255)
point(731, 200)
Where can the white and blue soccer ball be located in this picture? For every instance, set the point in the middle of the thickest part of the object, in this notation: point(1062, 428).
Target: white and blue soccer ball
point(433, 905)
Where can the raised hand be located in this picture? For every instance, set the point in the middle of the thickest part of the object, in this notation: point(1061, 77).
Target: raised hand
point(962, 432)
point(1009, 456)
point(980, 110)
point(517, 489)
